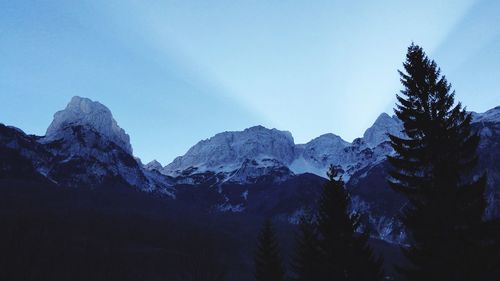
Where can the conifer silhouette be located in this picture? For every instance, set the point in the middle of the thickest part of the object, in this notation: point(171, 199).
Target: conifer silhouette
point(432, 168)
point(345, 254)
point(268, 260)
point(307, 258)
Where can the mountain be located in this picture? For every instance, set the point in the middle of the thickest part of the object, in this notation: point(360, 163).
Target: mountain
point(246, 155)
point(87, 114)
point(153, 166)
point(237, 156)
point(382, 206)
point(384, 125)
point(231, 164)
point(490, 116)
point(83, 146)
point(257, 171)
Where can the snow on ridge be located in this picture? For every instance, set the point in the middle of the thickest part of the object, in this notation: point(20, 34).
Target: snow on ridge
point(228, 150)
point(153, 165)
point(302, 166)
point(223, 152)
point(383, 125)
point(492, 115)
point(270, 149)
point(83, 111)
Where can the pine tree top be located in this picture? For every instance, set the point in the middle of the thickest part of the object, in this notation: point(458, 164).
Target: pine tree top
point(268, 260)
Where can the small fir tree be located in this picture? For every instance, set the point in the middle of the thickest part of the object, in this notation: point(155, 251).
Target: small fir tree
point(268, 260)
point(306, 260)
point(345, 254)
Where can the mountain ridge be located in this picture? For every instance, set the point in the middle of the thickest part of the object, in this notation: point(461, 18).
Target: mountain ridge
point(231, 152)
point(236, 171)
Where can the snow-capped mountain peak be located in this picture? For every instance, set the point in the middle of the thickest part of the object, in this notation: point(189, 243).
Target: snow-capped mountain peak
point(85, 112)
point(492, 115)
point(227, 151)
point(380, 129)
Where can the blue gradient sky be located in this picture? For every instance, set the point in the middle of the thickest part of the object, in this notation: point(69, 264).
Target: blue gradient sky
point(175, 72)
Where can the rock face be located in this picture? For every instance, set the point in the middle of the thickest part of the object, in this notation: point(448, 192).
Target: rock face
point(89, 157)
point(316, 155)
point(384, 125)
point(87, 113)
point(230, 152)
point(89, 145)
point(487, 125)
point(153, 165)
point(84, 147)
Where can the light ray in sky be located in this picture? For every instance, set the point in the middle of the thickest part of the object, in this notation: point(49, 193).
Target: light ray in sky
point(174, 72)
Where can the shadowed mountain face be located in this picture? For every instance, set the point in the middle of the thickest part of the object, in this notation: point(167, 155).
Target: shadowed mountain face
point(259, 172)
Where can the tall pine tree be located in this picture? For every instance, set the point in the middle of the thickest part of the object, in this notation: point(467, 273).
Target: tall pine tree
point(432, 168)
point(345, 254)
point(268, 260)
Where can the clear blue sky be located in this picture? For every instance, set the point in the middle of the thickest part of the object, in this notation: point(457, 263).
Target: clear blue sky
point(175, 72)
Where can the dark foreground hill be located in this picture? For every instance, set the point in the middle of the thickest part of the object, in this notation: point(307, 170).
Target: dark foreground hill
point(117, 233)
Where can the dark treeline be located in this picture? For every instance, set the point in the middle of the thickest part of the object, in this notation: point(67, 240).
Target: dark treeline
point(432, 167)
point(111, 233)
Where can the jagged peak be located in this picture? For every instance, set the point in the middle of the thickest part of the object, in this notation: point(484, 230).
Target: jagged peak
point(83, 111)
point(384, 119)
point(229, 149)
point(153, 165)
point(256, 128)
point(261, 129)
point(328, 137)
point(253, 132)
point(383, 125)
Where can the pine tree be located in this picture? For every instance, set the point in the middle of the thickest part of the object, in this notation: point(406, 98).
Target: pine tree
point(345, 254)
point(431, 166)
point(268, 260)
point(306, 261)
